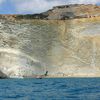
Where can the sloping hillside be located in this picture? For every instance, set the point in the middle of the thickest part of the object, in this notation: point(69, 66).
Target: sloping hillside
point(67, 12)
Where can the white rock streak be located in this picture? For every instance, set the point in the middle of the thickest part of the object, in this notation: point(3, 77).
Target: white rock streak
point(14, 51)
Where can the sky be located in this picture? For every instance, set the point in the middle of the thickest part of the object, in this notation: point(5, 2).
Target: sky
point(36, 6)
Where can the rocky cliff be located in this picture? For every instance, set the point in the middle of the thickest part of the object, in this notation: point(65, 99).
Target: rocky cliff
point(67, 12)
point(30, 47)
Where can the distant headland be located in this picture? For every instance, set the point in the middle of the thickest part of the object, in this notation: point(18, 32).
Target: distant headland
point(63, 12)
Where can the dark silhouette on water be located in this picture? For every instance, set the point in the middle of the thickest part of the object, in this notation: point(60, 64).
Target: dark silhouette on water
point(42, 76)
point(46, 74)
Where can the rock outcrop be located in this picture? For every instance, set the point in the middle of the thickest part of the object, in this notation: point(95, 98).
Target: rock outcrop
point(30, 47)
point(3, 76)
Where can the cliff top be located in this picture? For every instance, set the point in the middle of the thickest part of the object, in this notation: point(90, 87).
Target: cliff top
point(62, 12)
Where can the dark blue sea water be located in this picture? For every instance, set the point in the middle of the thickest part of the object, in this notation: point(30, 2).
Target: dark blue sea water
point(50, 89)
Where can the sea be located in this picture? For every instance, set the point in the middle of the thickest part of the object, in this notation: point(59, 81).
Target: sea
point(50, 89)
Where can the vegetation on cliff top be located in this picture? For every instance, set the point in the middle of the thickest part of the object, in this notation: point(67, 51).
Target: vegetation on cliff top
point(66, 12)
point(61, 13)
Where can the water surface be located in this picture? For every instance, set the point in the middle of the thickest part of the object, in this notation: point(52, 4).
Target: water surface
point(50, 89)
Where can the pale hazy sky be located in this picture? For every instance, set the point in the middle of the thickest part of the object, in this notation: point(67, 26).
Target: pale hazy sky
point(36, 6)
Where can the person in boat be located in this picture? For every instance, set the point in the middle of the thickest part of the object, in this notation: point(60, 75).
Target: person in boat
point(41, 76)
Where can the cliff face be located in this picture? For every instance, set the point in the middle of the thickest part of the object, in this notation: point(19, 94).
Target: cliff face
point(63, 47)
point(31, 47)
point(74, 11)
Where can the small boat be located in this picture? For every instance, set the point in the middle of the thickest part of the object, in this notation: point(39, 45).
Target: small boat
point(39, 77)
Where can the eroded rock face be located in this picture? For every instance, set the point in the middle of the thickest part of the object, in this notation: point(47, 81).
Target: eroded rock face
point(61, 47)
point(74, 11)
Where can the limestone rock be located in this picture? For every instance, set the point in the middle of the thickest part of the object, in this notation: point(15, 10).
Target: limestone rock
point(30, 47)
